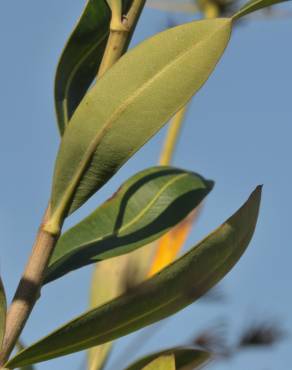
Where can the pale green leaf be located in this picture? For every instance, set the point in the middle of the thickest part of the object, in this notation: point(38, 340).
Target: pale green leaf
point(147, 205)
point(255, 5)
point(128, 105)
point(81, 58)
point(174, 288)
point(185, 358)
point(3, 307)
point(165, 362)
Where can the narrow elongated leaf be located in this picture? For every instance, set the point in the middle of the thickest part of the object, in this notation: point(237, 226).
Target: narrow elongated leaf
point(81, 58)
point(184, 358)
point(3, 308)
point(145, 207)
point(255, 5)
point(165, 362)
point(175, 287)
point(20, 347)
point(129, 104)
point(122, 273)
point(101, 293)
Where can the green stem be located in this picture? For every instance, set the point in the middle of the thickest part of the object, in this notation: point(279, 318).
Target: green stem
point(116, 44)
point(28, 289)
point(119, 36)
point(30, 284)
point(172, 137)
point(209, 8)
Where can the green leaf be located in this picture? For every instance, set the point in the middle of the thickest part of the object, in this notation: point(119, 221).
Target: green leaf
point(20, 347)
point(255, 5)
point(122, 274)
point(128, 105)
point(81, 58)
point(97, 356)
point(174, 288)
point(166, 362)
point(146, 206)
point(3, 307)
point(185, 358)
point(101, 293)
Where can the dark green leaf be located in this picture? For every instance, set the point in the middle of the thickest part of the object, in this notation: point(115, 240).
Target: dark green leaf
point(3, 308)
point(128, 105)
point(114, 269)
point(145, 207)
point(20, 347)
point(175, 287)
point(81, 58)
point(122, 273)
point(184, 358)
point(254, 5)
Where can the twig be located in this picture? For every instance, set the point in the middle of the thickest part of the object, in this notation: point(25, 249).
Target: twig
point(119, 37)
point(172, 137)
point(30, 284)
point(28, 289)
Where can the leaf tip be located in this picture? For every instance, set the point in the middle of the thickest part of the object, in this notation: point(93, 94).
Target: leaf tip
point(210, 184)
point(257, 193)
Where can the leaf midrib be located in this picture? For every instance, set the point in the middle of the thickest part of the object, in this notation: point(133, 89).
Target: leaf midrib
point(149, 205)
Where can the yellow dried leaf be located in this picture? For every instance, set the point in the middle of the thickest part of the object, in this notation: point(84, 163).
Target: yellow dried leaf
point(171, 243)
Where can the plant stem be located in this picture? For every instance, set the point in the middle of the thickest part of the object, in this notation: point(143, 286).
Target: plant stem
point(30, 284)
point(119, 37)
point(28, 289)
point(209, 8)
point(117, 42)
point(172, 137)
point(113, 50)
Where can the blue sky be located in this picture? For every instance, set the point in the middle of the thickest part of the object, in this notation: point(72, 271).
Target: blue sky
point(238, 132)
